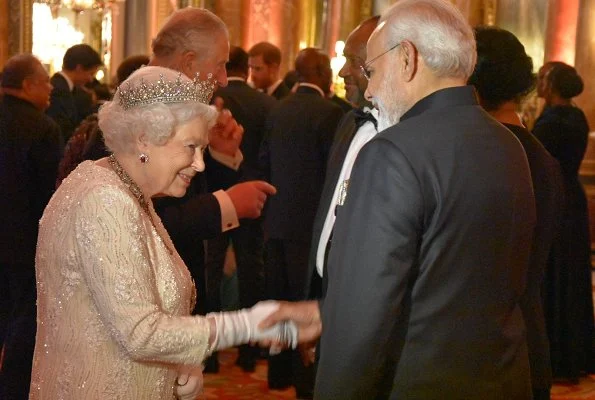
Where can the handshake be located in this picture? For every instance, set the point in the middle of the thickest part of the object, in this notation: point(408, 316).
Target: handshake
point(243, 326)
point(273, 324)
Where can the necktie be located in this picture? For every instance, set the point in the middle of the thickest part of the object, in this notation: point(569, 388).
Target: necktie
point(362, 116)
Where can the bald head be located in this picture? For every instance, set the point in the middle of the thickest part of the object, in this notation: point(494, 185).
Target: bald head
point(355, 54)
point(313, 66)
point(25, 77)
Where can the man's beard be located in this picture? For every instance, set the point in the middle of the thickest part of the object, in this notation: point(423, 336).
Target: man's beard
point(390, 105)
point(390, 111)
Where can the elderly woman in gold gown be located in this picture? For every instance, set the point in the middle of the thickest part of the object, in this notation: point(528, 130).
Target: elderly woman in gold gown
point(114, 296)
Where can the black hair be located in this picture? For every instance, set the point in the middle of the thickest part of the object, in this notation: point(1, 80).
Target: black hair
point(83, 55)
point(503, 71)
point(564, 79)
point(238, 60)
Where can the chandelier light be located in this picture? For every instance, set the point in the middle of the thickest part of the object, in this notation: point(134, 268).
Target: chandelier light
point(80, 5)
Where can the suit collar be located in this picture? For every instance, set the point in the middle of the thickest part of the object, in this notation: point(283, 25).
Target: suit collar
point(449, 97)
point(10, 99)
point(67, 79)
point(271, 89)
point(305, 87)
point(231, 79)
point(236, 81)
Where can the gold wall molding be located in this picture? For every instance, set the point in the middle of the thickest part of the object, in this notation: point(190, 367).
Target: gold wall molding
point(585, 59)
point(4, 49)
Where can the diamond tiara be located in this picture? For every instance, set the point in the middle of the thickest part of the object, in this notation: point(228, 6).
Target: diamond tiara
point(164, 91)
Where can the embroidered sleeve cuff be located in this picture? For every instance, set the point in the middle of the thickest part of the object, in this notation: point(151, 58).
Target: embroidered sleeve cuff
point(230, 162)
point(229, 217)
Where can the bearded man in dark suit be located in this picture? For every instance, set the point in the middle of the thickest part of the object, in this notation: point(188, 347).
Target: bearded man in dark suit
point(30, 149)
point(431, 249)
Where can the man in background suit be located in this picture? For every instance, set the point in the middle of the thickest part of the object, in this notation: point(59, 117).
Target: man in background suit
point(294, 154)
point(250, 108)
point(30, 147)
point(195, 42)
point(265, 65)
point(431, 245)
point(69, 103)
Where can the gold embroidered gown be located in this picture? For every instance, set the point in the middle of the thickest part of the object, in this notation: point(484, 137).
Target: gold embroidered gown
point(113, 301)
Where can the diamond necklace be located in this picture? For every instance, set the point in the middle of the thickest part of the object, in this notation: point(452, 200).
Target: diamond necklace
point(136, 192)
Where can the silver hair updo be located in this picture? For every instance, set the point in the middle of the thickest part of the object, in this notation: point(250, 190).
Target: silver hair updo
point(154, 101)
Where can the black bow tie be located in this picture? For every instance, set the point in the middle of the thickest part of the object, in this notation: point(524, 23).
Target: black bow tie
point(362, 116)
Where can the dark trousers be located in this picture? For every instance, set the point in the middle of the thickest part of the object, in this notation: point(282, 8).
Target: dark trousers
point(248, 244)
point(286, 270)
point(19, 341)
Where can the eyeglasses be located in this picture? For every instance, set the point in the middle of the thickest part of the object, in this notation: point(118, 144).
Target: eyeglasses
point(364, 68)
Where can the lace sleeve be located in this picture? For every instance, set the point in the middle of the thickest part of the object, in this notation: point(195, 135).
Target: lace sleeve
point(114, 248)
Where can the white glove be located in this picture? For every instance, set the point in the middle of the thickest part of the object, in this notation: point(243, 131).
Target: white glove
point(241, 327)
point(189, 384)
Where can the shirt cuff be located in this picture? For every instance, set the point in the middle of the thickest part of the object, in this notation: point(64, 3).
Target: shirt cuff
point(229, 161)
point(229, 217)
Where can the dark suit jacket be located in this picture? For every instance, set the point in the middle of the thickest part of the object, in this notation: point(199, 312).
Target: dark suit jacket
point(548, 188)
point(429, 261)
point(281, 91)
point(29, 155)
point(250, 108)
point(345, 105)
point(67, 108)
point(343, 136)
point(294, 153)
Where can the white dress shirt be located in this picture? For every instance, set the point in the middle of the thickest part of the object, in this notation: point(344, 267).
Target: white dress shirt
point(363, 135)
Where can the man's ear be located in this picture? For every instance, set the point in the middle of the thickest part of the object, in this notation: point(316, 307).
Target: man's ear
point(409, 60)
point(186, 61)
point(27, 86)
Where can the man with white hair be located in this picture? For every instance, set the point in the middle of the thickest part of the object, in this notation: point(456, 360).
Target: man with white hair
point(195, 42)
point(430, 248)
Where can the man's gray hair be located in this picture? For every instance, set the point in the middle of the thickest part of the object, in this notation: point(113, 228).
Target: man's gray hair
point(438, 30)
point(189, 29)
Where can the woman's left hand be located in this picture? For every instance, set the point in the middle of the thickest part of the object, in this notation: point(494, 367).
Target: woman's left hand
point(189, 384)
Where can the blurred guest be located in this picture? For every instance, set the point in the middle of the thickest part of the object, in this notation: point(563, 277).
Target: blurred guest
point(30, 148)
point(69, 103)
point(250, 108)
point(114, 295)
point(265, 65)
point(87, 141)
point(294, 153)
point(502, 77)
point(563, 130)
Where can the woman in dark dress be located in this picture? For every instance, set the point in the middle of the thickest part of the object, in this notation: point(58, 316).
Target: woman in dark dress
point(503, 76)
point(563, 130)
